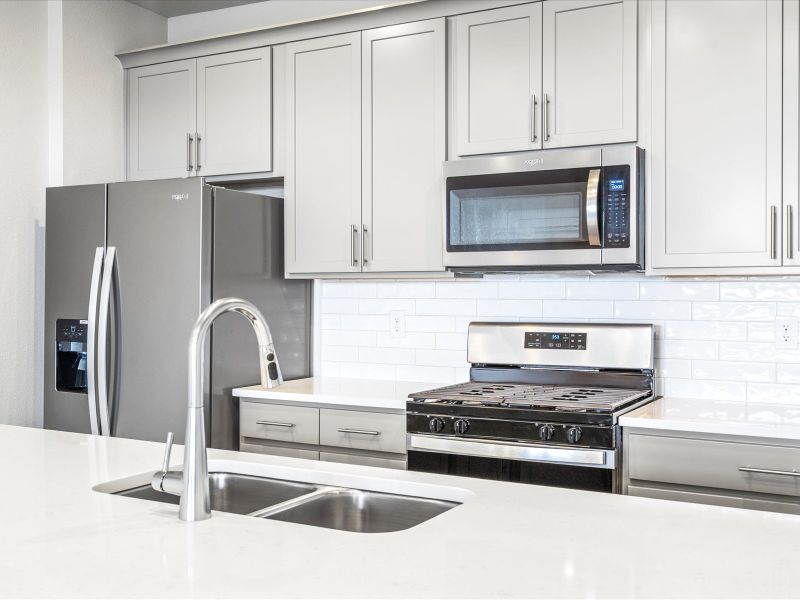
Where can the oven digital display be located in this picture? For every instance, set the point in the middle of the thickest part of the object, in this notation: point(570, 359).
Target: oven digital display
point(553, 340)
point(616, 185)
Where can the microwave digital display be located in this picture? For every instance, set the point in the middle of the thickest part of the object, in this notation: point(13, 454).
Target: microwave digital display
point(616, 185)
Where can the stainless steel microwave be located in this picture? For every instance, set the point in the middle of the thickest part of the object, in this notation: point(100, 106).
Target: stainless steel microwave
point(550, 209)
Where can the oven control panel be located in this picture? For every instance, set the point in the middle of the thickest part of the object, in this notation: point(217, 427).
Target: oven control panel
point(547, 340)
point(616, 207)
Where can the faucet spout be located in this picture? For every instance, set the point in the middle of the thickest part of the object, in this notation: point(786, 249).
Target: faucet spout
point(195, 504)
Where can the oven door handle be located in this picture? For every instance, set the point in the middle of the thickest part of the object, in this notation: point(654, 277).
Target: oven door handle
point(588, 457)
point(593, 207)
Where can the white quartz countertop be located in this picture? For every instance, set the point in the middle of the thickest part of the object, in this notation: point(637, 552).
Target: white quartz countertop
point(389, 396)
point(780, 421)
point(62, 539)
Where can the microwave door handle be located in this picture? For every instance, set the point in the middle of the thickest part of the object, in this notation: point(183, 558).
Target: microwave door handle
point(593, 207)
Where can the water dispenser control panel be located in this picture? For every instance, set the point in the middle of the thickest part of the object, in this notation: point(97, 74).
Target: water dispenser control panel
point(71, 348)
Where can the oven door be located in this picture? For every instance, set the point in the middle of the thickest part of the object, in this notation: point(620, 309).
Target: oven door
point(535, 209)
point(574, 468)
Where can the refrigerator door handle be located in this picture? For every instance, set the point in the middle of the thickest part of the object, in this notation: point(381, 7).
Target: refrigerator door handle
point(91, 337)
point(103, 341)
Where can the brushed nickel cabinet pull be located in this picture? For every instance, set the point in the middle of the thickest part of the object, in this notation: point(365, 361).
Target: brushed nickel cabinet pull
point(773, 232)
point(274, 423)
point(359, 431)
point(769, 471)
point(789, 232)
point(533, 117)
point(189, 140)
point(197, 151)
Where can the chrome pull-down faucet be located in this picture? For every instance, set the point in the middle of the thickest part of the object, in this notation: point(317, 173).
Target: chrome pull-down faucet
point(192, 484)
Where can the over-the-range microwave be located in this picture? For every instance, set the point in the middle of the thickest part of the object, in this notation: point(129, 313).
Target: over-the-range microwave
point(546, 210)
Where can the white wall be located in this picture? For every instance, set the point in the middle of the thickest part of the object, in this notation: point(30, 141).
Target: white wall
point(259, 14)
point(60, 123)
point(714, 338)
point(93, 100)
point(23, 172)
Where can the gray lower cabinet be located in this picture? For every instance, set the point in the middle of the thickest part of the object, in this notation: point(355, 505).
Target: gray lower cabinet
point(742, 472)
point(361, 437)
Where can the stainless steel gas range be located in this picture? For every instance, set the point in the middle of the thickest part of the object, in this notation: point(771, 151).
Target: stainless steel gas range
point(541, 405)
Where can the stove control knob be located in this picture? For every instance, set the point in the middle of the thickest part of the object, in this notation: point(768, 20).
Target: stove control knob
point(546, 432)
point(461, 426)
point(436, 425)
point(574, 435)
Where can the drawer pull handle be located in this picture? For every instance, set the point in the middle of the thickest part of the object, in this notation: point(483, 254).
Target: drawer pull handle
point(359, 431)
point(274, 423)
point(769, 471)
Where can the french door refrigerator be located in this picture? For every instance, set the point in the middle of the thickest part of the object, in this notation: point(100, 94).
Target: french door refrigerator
point(128, 269)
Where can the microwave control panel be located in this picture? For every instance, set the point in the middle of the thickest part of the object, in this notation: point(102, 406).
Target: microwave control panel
point(616, 207)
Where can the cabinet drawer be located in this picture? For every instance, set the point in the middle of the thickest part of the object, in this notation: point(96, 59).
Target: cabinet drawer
point(714, 464)
point(279, 451)
point(378, 432)
point(369, 461)
point(298, 424)
point(714, 499)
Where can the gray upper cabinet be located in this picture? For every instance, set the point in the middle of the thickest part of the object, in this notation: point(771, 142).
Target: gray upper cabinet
point(233, 113)
point(365, 145)
point(498, 80)
point(403, 133)
point(205, 116)
point(715, 161)
point(161, 120)
point(323, 155)
point(589, 72)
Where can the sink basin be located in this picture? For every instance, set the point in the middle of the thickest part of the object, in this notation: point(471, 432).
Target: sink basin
point(359, 511)
point(234, 493)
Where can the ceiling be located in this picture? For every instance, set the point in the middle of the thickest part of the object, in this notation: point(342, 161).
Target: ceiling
point(175, 8)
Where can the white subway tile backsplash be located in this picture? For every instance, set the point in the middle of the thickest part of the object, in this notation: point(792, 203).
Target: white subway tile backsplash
point(430, 324)
point(442, 358)
point(714, 339)
point(678, 290)
point(578, 309)
point(539, 290)
point(447, 307)
point(695, 388)
point(466, 289)
point(705, 330)
point(407, 289)
point(602, 290)
point(412, 339)
point(383, 306)
point(522, 309)
point(733, 371)
point(451, 341)
point(443, 375)
point(674, 367)
point(389, 356)
point(733, 311)
point(760, 290)
point(686, 349)
point(652, 309)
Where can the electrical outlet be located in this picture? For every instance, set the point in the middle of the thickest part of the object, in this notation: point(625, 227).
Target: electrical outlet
point(786, 332)
point(397, 324)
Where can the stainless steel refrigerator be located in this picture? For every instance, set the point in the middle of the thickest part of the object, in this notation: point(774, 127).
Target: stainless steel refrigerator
point(128, 268)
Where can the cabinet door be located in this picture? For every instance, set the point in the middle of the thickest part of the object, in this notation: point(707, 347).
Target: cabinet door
point(161, 120)
point(403, 146)
point(589, 72)
point(715, 160)
point(234, 113)
point(791, 132)
point(323, 155)
point(498, 63)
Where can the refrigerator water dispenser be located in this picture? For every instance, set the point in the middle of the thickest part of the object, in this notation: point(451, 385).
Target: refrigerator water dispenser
point(71, 347)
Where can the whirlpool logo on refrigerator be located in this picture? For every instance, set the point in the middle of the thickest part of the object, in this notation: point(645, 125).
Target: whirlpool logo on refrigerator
point(179, 197)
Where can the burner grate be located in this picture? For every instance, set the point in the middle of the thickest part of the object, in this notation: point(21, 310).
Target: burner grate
point(553, 397)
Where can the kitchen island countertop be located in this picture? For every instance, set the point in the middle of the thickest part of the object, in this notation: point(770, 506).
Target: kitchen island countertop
point(63, 539)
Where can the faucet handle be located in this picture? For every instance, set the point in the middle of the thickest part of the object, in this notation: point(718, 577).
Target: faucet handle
point(167, 452)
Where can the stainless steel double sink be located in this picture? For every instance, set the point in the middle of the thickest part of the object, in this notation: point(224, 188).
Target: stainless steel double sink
point(346, 509)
